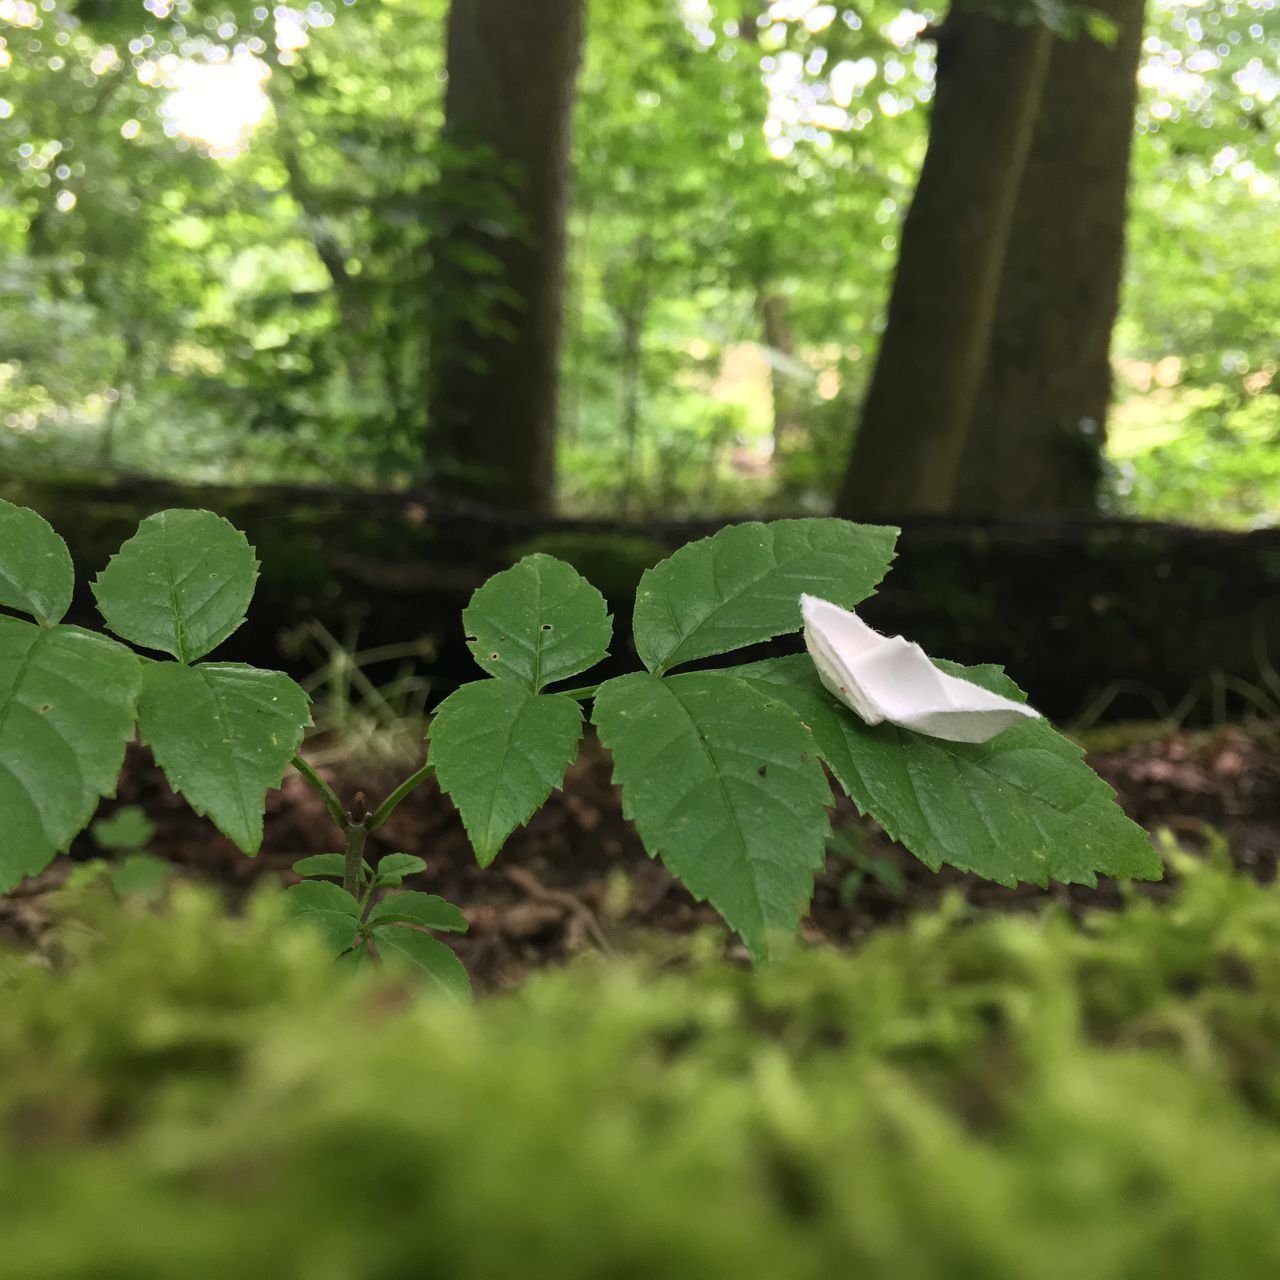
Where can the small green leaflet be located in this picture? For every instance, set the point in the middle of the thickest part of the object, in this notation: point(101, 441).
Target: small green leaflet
point(430, 956)
point(1022, 807)
point(724, 785)
point(423, 909)
point(181, 584)
point(325, 907)
point(537, 622)
point(125, 830)
point(223, 733)
point(393, 867)
point(333, 865)
point(67, 708)
point(742, 585)
point(36, 574)
point(499, 751)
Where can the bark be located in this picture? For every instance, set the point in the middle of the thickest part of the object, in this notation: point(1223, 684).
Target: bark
point(494, 367)
point(905, 456)
point(1034, 444)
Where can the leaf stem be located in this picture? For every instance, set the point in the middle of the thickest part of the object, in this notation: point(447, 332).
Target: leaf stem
point(586, 692)
point(392, 802)
point(326, 792)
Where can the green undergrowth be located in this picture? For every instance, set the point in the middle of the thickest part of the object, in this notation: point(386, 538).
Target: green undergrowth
point(187, 1094)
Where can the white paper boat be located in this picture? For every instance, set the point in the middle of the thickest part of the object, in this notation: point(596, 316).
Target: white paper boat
point(888, 678)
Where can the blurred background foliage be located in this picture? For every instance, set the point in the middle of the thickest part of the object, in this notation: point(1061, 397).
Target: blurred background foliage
point(218, 222)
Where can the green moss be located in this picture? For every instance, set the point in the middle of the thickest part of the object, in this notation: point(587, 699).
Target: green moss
point(1026, 1098)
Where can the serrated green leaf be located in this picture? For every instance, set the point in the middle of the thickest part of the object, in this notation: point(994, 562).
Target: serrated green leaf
point(1022, 807)
point(499, 751)
point(724, 785)
point(67, 707)
point(423, 909)
point(36, 574)
point(326, 907)
point(742, 585)
point(181, 584)
point(537, 622)
point(223, 733)
point(126, 829)
point(393, 868)
point(430, 956)
point(322, 864)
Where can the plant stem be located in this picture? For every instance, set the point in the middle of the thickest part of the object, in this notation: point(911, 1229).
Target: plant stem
point(327, 793)
point(580, 695)
point(389, 805)
point(357, 834)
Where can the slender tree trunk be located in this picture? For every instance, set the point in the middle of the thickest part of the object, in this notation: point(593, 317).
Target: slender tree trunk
point(1034, 442)
point(905, 456)
point(788, 421)
point(494, 367)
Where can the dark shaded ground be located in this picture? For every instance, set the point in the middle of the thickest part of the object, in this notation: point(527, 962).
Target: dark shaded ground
point(576, 877)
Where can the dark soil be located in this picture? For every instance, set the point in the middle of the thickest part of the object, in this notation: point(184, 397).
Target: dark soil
point(577, 877)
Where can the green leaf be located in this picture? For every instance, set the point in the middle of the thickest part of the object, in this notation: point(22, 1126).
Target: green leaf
point(126, 829)
point(36, 574)
point(1022, 807)
point(326, 907)
point(181, 584)
point(141, 875)
point(428, 955)
point(322, 864)
point(537, 622)
point(223, 733)
point(743, 585)
point(724, 785)
point(423, 909)
point(67, 708)
point(499, 752)
point(393, 868)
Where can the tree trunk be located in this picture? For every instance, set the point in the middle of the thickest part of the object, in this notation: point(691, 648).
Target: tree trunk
point(1034, 444)
point(788, 418)
point(931, 359)
point(495, 366)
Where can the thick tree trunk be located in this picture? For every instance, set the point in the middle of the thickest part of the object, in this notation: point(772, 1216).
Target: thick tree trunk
point(905, 456)
point(495, 339)
point(1034, 442)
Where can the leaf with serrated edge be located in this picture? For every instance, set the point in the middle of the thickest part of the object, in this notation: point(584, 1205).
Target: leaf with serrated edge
point(181, 584)
point(325, 907)
point(223, 733)
point(36, 574)
point(429, 955)
point(1022, 807)
point(68, 702)
point(499, 751)
point(724, 785)
point(743, 585)
point(538, 622)
point(423, 909)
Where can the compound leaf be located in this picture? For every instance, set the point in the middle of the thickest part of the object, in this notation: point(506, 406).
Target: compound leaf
point(67, 709)
point(724, 785)
point(181, 584)
point(499, 751)
point(1022, 807)
point(36, 574)
point(429, 955)
point(223, 734)
point(537, 622)
point(743, 585)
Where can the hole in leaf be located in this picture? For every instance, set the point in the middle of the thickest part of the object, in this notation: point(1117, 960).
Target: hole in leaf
point(762, 770)
point(546, 626)
point(45, 707)
point(493, 657)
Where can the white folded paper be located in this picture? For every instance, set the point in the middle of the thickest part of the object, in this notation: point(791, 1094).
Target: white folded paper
point(889, 678)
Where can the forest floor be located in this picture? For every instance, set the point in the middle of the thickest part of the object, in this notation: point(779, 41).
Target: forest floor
point(576, 877)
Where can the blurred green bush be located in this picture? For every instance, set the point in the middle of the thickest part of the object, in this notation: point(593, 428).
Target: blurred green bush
point(191, 1095)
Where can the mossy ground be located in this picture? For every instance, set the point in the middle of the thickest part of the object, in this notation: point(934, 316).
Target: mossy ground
point(189, 1094)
